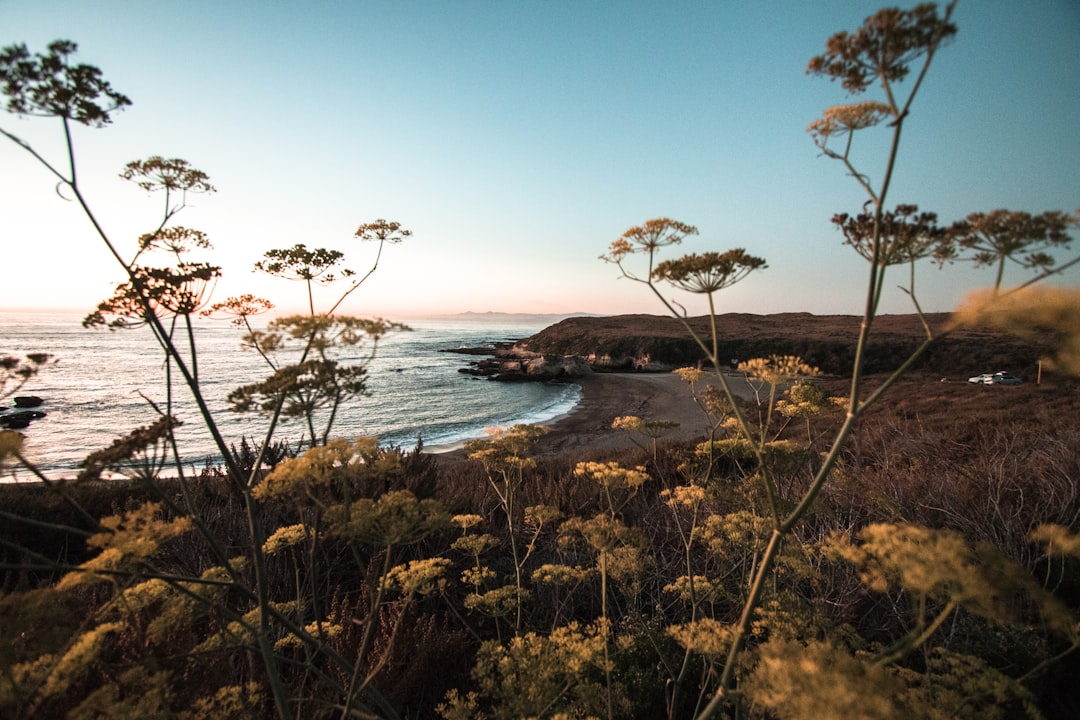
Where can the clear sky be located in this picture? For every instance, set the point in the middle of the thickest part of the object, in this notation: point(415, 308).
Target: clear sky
point(518, 139)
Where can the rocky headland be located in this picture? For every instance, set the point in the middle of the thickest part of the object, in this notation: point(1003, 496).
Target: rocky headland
point(575, 347)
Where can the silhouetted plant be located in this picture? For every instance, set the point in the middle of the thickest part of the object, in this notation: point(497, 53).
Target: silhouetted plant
point(881, 53)
point(166, 299)
point(505, 457)
point(1001, 236)
point(747, 573)
point(20, 370)
point(320, 382)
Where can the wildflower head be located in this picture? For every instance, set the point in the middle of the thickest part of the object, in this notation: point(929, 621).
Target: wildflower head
point(395, 518)
point(141, 449)
point(498, 602)
point(317, 471)
point(285, 537)
point(554, 574)
point(777, 369)
point(175, 239)
point(703, 637)
point(628, 422)
point(938, 564)
point(1020, 237)
point(475, 544)
point(612, 474)
point(708, 272)
point(299, 263)
point(694, 588)
point(649, 237)
point(903, 235)
point(1058, 540)
point(805, 400)
point(420, 577)
point(240, 307)
point(156, 292)
point(536, 516)
point(649, 428)
point(466, 521)
point(602, 533)
point(51, 85)
point(883, 48)
point(690, 375)
point(171, 175)
point(841, 120)
point(126, 541)
point(382, 231)
point(684, 496)
point(506, 449)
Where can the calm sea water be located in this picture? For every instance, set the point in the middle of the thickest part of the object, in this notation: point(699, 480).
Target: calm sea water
point(95, 392)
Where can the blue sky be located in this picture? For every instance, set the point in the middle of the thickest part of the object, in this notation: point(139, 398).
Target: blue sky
point(517, 140)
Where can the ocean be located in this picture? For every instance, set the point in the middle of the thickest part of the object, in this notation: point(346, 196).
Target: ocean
point(100, 386)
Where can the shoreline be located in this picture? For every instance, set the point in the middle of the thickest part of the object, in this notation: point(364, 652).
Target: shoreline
point(606, 396)
point(659, 396)
point(656, 396)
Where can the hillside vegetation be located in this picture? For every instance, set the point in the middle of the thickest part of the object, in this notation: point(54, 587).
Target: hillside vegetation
point(824, 341)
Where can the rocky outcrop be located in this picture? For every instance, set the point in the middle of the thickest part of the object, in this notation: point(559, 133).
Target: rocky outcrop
point(20, 419)
point(28, 401)
point(547, 367)
point(511, 366)
point(653, 343)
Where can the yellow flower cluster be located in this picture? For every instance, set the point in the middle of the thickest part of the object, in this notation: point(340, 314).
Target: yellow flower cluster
point(935, 564)
point(612, 475)
point(126, 541)
point(475, 544)
point(75, 663)
point(285, 537)
point(506, 449)
point(650, 428)
point(703, 588)
point(690, 374)
point(687, 496)
point(395, 518)
point(466, 521)
point(554, 574)
point(321, 630)
point(420, 577)
point(840, 120)
point(320, 467)
point(705, 636)
point(777, 369)
point(536, 516)
point(499, 602)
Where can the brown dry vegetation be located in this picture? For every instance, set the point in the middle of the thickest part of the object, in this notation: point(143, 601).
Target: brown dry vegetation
point(824, 341)
point(989, 462)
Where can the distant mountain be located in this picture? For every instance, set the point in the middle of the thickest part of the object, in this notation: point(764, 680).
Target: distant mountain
point(502, 317)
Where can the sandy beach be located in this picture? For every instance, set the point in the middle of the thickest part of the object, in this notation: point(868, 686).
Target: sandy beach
point(650, 396)
point(605, 396)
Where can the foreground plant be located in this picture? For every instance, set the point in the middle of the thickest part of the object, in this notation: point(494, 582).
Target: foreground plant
point(737, 576)
point(254, 627)
point(890, 46)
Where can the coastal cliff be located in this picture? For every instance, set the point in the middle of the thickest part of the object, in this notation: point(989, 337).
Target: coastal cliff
point(629, 343)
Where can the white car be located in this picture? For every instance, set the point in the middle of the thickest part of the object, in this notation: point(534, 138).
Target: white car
point(998, 378)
